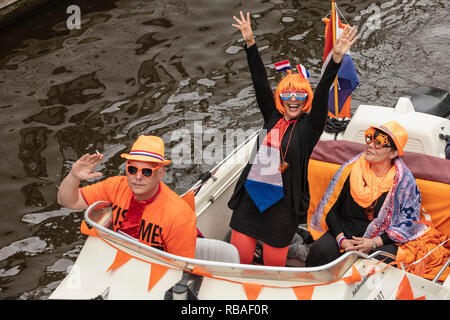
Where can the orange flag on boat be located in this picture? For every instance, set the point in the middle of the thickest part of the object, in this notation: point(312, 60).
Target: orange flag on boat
point(405, 291)
point(347, 80)
point(119, 260)
point(252, 290)
point(157, 271)
point(355, 277)
point(84, 229)
point(304, 292)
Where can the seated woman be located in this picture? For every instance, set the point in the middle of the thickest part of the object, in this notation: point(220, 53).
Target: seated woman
point(371, 203)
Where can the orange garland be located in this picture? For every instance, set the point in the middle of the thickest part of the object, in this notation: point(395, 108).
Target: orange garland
point(252, 290)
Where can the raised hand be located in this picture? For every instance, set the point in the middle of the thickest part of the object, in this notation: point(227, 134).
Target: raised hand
point(343, 43)
point(245, 26)
point(83, 168)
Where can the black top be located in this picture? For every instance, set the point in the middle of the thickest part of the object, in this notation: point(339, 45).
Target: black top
point(277, 225)
point(350, 218)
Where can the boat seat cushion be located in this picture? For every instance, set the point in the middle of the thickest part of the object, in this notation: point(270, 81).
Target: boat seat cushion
point(216, 250)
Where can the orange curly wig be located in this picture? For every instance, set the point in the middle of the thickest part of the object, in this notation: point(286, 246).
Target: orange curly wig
point(293, 81)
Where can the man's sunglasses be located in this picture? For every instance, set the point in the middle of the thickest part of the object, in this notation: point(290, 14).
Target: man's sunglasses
point(287, 95)
point(380, 140)
point(146, 172)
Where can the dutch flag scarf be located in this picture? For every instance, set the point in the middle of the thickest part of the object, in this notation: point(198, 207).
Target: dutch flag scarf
point(264, 182)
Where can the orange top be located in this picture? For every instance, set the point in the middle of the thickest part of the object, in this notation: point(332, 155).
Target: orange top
point(168, 223)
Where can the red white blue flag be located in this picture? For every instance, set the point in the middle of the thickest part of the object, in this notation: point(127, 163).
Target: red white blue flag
point(264, 182)
point(282, 65)
point(347, 77)
point(303, 71)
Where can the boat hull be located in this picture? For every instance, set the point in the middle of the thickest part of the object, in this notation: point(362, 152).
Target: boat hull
point(89, 278)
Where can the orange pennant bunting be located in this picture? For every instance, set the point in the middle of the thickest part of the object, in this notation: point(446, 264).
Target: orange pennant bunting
point(355, 277)
point(303, 292)
point(86, 230)
point(405, 292)
point(156, 273)
point(252, 290)
point(120, 259)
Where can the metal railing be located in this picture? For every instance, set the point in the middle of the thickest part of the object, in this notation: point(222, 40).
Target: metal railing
point(99, 216)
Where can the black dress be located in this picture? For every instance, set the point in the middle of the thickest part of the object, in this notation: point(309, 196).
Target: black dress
point(347, 217)
point(277, 224)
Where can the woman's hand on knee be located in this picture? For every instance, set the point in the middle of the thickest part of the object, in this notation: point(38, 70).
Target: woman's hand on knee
point(349, 244)
point(364, 245)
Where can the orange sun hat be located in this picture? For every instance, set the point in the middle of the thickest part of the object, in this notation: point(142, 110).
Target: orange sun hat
point(397, 133)
point(147, 149)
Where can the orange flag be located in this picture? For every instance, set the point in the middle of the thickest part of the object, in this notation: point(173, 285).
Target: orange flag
point(303, 292)
point(86, 230)
point(252, 290)
point(156, 273)
point(355, 277)
point(120, 259)
point(405, 292)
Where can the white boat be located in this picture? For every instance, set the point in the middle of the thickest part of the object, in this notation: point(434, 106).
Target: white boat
point(137, 271)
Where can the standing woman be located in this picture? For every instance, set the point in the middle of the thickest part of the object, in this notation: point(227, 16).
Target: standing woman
point(271, 197)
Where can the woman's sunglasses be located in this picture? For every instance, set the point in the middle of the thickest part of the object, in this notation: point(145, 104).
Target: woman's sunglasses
point(287, 95)
point(146, 172)
point(380, 140)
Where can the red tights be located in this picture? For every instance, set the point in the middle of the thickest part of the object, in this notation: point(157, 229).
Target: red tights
point(246, 247)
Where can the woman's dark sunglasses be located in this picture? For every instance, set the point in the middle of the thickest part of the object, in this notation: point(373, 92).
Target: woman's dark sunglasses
point(146, 172)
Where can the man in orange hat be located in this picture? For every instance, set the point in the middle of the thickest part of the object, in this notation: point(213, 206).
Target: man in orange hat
point(143, 206)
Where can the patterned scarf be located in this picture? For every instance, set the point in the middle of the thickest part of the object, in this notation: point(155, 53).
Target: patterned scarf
point(398, 215)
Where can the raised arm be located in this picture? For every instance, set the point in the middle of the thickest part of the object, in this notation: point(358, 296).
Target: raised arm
point(245, 26)
point(263, 91)
point(69, 194)
point(344, 43)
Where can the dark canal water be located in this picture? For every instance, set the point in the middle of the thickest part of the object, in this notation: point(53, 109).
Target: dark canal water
point(163, 67)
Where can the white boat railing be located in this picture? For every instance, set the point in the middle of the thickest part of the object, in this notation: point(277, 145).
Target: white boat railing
point(99, 216)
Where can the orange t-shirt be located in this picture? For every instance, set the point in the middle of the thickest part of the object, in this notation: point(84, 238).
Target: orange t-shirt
point(168, 223)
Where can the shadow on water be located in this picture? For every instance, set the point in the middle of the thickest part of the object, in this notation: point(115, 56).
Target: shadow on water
point(165, 68)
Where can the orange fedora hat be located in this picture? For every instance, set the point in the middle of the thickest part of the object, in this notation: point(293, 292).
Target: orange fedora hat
point(397, 133)
point(148, 149)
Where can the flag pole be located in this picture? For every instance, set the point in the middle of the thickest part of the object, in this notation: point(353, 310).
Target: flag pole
point(334, 23)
